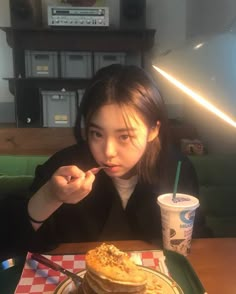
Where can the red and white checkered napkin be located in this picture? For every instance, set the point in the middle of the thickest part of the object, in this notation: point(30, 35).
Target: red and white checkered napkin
point(37, 278)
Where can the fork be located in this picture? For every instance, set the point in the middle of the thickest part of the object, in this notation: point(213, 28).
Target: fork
point(51, 264)
point(94, 170)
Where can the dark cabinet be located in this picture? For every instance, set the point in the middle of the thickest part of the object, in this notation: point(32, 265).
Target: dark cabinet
point(26, 89)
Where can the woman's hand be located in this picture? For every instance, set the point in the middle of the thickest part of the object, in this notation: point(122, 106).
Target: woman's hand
point(69, 184)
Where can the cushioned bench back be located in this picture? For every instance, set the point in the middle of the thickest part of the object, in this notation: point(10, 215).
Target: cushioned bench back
point(15, 165)
point(215, 169)
point(17, 173)
point(217, 181)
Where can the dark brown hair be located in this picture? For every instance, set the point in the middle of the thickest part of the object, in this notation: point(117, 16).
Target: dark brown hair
point(131, 86)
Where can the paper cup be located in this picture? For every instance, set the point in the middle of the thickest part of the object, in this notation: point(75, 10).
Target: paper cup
point(177, 221)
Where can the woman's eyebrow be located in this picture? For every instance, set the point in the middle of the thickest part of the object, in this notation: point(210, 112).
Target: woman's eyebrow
point(91, 124)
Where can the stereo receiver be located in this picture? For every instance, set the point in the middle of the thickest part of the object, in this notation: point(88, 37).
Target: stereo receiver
point(78, 16)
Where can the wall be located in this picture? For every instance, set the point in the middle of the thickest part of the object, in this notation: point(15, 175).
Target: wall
point(168, 17)
point(216, 135)
point(209, 16)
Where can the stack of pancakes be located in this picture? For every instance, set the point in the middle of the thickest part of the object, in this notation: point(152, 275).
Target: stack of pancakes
point(110, 270)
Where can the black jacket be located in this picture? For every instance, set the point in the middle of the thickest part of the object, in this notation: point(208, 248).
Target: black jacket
point(100, 216)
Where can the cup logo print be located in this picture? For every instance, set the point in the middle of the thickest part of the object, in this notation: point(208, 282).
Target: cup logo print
point(187, 217)
point(172, 233)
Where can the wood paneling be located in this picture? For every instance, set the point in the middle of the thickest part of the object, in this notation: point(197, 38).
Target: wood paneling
point(45, 141)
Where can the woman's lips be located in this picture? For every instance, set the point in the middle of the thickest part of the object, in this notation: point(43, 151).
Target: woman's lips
point(111, 168)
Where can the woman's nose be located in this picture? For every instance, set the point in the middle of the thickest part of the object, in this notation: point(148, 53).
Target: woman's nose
point(110, 148)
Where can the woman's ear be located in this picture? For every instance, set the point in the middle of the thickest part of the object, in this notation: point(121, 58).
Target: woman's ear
point(154, 132)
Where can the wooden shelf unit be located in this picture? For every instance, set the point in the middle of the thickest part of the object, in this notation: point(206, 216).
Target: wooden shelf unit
point(26, 90)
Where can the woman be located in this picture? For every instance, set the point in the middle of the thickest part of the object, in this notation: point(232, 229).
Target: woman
point(122, 126)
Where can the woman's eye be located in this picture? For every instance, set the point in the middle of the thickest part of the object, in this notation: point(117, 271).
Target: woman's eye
point(95, 134)
point(124, 137)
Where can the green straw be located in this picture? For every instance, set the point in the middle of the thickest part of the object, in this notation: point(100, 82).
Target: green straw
point(176, 179)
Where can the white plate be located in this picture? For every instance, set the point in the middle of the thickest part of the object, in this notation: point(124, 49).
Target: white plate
point(169, 285)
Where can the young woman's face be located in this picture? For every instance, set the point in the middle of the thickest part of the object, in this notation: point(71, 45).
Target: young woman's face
point(116, 142)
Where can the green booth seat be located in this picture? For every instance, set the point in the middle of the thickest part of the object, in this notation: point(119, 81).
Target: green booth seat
point(17, 172)
point(217, 191)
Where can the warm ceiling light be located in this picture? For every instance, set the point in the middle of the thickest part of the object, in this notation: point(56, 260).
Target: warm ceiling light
point(196, 97)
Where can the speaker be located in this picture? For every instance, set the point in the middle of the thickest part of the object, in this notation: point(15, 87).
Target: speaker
point(25, 13)
point(132, 14)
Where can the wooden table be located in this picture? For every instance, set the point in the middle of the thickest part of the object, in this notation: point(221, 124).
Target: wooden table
point(214, 260)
